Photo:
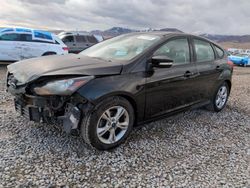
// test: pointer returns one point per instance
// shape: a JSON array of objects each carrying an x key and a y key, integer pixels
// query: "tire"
[
  {"x": 214, "y": 105},
  {"x": 98, "y": 126},
  {"x": 49, "y": 53}
]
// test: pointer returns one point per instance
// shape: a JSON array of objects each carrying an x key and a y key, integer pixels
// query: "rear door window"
[
  {"x": 204, "y": 51},
  {"x": 26, "y": 37},
  {"x": 219, "y": 51},
  {"x": 80, "y": 39}
]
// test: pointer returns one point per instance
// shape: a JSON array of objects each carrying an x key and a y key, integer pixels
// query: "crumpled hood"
[{"x": 29, "y": 70}]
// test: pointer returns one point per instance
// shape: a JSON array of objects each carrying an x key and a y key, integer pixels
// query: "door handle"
[{"x": 74, "y": 44}]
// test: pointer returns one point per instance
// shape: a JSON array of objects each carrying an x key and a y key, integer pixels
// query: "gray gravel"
[{"x": 194, "y": 149}]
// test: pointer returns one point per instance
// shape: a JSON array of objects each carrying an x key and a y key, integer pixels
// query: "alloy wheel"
[
  {"x": 113, "y": 125},
  {"x": 221, "y": 97}
]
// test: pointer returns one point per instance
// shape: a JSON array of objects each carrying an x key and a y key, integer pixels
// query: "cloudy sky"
[{"x": 193, "y": 16}]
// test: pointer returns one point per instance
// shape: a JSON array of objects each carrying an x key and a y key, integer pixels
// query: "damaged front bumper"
[{"x": 53, "y": 110}]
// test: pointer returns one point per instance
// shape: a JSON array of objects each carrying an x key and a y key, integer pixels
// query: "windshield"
[{"x": 122, "y": 48}]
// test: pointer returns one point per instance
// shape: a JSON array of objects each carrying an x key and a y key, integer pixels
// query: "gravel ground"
[{"x": 197, "y": 148}]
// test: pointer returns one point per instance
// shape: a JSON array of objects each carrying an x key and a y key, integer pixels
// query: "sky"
[{"x": 191, "y": 16}]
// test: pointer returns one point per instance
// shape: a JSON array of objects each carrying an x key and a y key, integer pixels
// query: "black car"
[{"x": 107, "y": 89}]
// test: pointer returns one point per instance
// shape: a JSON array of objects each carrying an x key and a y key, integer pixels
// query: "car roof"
[
  {"x": 166, "y": 34},
  {"x": 67, "y": 33},
  {"x": 36, "y": 33},
  {"x": 20, "y": 29}
]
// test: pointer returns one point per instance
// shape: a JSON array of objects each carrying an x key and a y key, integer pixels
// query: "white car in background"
[{"x": 23, "y": 43}]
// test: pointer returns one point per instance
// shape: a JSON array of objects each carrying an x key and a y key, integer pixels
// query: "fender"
[
  {"x": 226, "y": 75},
  {"x": 129, "y": 86}
]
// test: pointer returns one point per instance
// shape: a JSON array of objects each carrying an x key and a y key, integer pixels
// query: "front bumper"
[
  {"x": 34, "y": 108},
  {"x": 53, "y": 110}
]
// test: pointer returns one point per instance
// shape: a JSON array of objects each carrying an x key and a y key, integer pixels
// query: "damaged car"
[{"x": 109, "y": 88}]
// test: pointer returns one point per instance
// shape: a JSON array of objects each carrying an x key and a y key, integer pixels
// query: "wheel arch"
[
  {"x": 226, "y": 76},
  {"x": 49, "y": 53},
  {"x": 125, "y": 95},
  {"x": 229, "y": 83}
]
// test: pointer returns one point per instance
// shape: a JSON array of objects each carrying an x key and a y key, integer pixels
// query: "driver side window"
[
  {"x": 177, "y": 50},
  {"x": 10, "y": 37}
]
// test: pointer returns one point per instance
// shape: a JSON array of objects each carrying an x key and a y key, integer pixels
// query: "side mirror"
[{"x": 162, "y": 61}]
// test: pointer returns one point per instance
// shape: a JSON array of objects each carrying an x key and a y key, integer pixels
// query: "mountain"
[
  {"x": 228, "y": 38},
  {"x": 115, "y": 31}
]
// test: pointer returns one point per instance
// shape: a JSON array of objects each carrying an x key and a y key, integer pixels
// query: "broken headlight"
[{"x": 62, "y": 87}]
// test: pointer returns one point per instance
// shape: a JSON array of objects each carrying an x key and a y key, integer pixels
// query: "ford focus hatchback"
[
  {"x": 109, "y": 88},
  {"x": 23, "y": 43}
]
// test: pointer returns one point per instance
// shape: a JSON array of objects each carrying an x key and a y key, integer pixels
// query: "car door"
[
  {"x": 32, "y": 48},
  {"x": 10, "y": 49},
  {"x": 207, "y": 65},
  {"x": 170, "y": 89}
]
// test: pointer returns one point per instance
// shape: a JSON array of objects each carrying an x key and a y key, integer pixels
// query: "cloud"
[{"x": 193, "y": 16}]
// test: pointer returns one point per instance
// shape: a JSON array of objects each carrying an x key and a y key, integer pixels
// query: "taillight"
[{"x": 65, "y": 48}]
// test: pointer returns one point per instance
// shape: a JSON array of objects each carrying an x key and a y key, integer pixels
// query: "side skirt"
[{"x": 169, "y": 114}]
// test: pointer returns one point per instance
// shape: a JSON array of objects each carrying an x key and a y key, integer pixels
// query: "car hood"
[{"x": 28, "y": 70}]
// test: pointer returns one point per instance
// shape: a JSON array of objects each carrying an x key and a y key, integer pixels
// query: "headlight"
[{"x": 62, "y": 87}]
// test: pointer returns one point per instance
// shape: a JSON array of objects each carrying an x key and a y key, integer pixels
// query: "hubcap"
[
  {"x": 221, "y": 97},
  {"x": 112, "y": 125}
]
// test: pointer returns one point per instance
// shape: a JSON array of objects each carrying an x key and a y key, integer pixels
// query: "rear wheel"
[
  {"x": 109, "y": 125},
  {"x": 220, "y": 98}
]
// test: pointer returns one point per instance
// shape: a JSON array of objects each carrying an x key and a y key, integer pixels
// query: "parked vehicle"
[
  {"x": 240, "y": 59},
  {"x": 128, "y": 80},
  {"x": 23, "y": 43},
  {"x": 77, "y": 41}
]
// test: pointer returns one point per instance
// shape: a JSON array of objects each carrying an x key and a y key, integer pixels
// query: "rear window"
[
  {"x": 91, "y": 39},
  {"x": 80, "y": 38},
  {"x": 204, "y": 51},
  {"x": 219, "y": 51},
  {"x": 42, "y": 35}
]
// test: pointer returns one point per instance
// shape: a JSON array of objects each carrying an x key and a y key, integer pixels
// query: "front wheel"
[
  {"x": 109, "y": 124},
  {"x": 220, "y": 98}
]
